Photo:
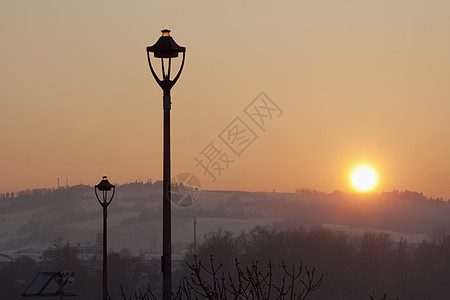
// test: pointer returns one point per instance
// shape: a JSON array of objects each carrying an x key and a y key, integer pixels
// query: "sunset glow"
[
  {"x": 181, "y": 139},
  {"x": 364, "y": 179}
]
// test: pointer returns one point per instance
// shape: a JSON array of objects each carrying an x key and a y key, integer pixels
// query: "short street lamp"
[
  {"x": 166, "y": 48},
  {"x": 104, "y": 187}
]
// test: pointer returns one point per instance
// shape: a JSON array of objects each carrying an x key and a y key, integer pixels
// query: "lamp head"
[
  {"x": 104, "y": 185},
  {"x": 166, "y": 47}
]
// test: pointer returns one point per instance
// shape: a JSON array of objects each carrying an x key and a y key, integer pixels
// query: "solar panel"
[{"x": 48, "y": 284}]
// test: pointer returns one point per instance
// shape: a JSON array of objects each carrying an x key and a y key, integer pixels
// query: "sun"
[{"x": 364, "y": 179}]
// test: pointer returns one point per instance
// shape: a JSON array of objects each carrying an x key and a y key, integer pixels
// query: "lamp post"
[
  {"x": 104, "y": 187},
  {"x": 166, "y": 48}
]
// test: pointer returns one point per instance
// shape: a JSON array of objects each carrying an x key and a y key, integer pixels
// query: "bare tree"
[{"x": 252, "y": 282}]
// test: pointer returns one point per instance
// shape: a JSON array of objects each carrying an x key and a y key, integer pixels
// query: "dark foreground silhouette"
[{"x": 354, "y": 267}]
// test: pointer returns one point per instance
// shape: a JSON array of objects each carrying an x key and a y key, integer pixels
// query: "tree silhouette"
[{"x": 211, "y": 282}]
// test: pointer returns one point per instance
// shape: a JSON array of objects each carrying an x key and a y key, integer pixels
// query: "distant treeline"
[
  {"x": 354, "y": 267},
  {"x": 38, "y": 197},
  {"x": 150, "y": 185},
  {"x": 67, "y": 190}
]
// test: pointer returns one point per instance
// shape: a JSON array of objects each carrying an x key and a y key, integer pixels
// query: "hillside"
[{"x": 30, "y": 220}]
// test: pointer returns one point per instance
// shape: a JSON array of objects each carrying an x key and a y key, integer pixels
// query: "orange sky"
[{"x": 357, "y": 81}]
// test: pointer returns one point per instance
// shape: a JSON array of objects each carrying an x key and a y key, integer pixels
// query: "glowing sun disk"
[{"x": 364, "y": 178}]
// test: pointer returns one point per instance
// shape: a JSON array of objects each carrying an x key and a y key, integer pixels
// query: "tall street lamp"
[
  {"x": 103, "y": 188},
  {"x": 166, "y": 49}
]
